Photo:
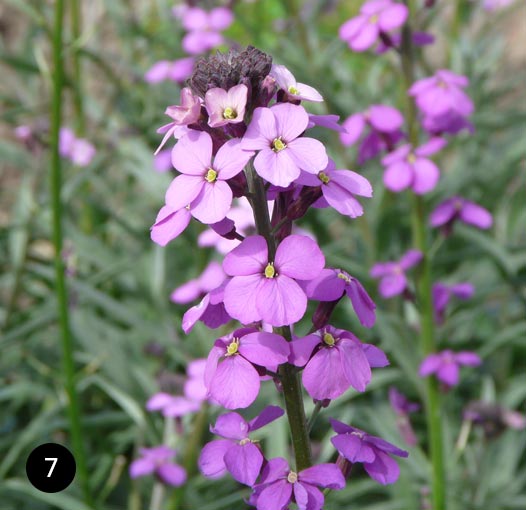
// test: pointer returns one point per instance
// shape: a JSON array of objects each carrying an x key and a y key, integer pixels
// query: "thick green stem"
[
  {"x": 68, "y": 367},
  {"x": 424, "y": 283},
  {"x": 289, "y": 376}
]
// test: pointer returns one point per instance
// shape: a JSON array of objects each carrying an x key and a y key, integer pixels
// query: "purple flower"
[
  {"x": 162, "y": 161},
  {"x": 172, "y": 406},
  {"x": 226, "y": 107},
  {"x": 374, "y": 453},
  {"x": 408, "y": 168},
  {"x": 294, "y": 90},
  {"x": 334, "y": 360},
  {"x": 204, "y": 28},
  {"x": 446, "y": 365},
  {"x": 376, "y": 16},
  {"x": 395, "y": 41},
  {"x": 169, "y": 224},
  {"x": 442, "y": 94},
  {"x": 442, "y": 294},
  {"x": 178, "y": 70},
  {"x": 392, "y": 274},
  {"x": 202, "y": 184},
  {"x": 493, "y": 5},
  {"x": 339, "y": 188},
  {"x": 230, "y": 375},
  {"x": 458, "y": 208},
  {"x": 383, "y": 122},
  {"x": 236, "y": 452},
  {"x": 280, "y": 486},
  {"x": 326, "y": 121},
  {"x": 212, "y": 276},
  {"x": 264, "y": 289},
  {"x": 158, "y": 460},
  {"x": 78, "y": 150},
  {"x": 275, "y": 133},
  {"x": 402, "y": 407}
]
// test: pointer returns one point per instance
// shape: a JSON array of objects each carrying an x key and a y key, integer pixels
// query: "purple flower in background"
[
  {"x": 442, "y": 294},
  {"x": 334, "y": 360},
  {"x": 384, "y": 125},
  {"x": 458, "y": 208},
  {"x": 395, "y": 41},
  {"x": 236, "y": 452},
  {"x": 78, "y": 150},
  {"x": 194, "y": 386},
  {"x": 376, "y": 17},
  {"x": 332, "y": 284},
  {"x": 493, "y": 5},
  {"x": 446, "y": 365},
  {"x": 294, "y": 90},
  {"x": 230, "y": 375},
  {"x": 275, "y": 133},
  {"x": 402, "y": 407},
  {"x": 162, "y": 161},
  {"x": 442, "y": 94},
  {"x": 280, "y": 486},
  {"x": 326, "y": 121},
  {"x": 169, "y": 224},
  {"x": 374, "y": 453},
  {"x": 408, "y": 168},
  {"x": 178, "y": 70},
  {"x": 158, "y": 461},
  {"x": 204, "y": 28},
  {"x": 392, "y": 274},
  {"x": 211, "y": 278},
  {"x": 450, "y": 123},
  {"x": 263, "y": 289},
  {"x": 339, "y": 188},
  {"x": 202, "y": 184},
  {"x": 226, "y": 107}
]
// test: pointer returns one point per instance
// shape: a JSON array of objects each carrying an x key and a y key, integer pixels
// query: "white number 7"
[{"x": 54, "y": 459}]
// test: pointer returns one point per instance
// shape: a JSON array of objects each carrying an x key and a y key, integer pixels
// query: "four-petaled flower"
[
  {"x": 280, "y": 486},
  {"x": 236, "y": 452},
  {"x": 158, "y": 460},
  {"x": 231, "y": 378},
  {"x": 211, "y": 278},
  {"x": 334, "y": 360},
  {"x": 226, "y": 107},
  {"x": 442, "y": 294},
  {"x": 458, "y": 208},
  {"x": 265, "y": 289},
  {"x": 374, "y": 453},
  {"x": 446, "y": 365},
  {"x": 275, "y": 133}
]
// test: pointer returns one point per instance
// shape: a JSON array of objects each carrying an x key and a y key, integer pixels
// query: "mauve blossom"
[
  {"x": 78, "y": 150},
  {"x": 177, "y": 70},
  {"x": 162, "y": 161},
  {"x": 449, "y": 123},
  {"x": 264, "y": 289},
  {"x": 446, "y": 365},
  {"x": 280, "y": 486},
  {"x": 334, "y": 360},
  {"x": 442, "y": 94},
  {"x": 392, "y": 274},
  {"x": 339, "y": 188},
  {"x": 402, "y": 407},
  {"x": 202, "y": 184},
  {"x": 332, "y": 284},
  {"x": 158, "y": 461},
  {"x": 293, "y": 90},
  {"x": 374, "y": 453},
  {"x": 226, "y": 107},
  {"x": 236, "y": 453},
  {"x": 231, "y": 378},
  {"x": 326, "y": 121},
  {"x": 204, "y": 28},
  {"x": 275, "y": 133},
  {"x": 442, "y": 294},
  {"x": 384, "y": 125},
  {"x": 395, "y": 41},
  {"x": 169, "y": 224},
  {"x": 493, "y": 5},
  {"x": 24, "y": 133},
  {"x": 376, "y": 16},
  {"x": 211, "y": 277},
  {"x": 408, "y": 168},
  {"x": 458, "y": 208}
]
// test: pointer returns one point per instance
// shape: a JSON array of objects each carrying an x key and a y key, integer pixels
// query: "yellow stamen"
[
  {"x": 278, "y": 145},
  {"x": 411, "y": 158},
  {"x": 232, "y": 348},
  {"x": 244, "y": 441},
  {"x": 293, "y": 90},
  {"x": 270, "y": 271},
  {"x": 229, "y": 113},
  {"x": 211, "y": 175},
  {"x": 292, "y": 477},
  {"x": 344, "y": 277},
  {"x": 323, "y": 177},
  {"x": 329, "y": 339},
  {"x": 373, "y": 18}
]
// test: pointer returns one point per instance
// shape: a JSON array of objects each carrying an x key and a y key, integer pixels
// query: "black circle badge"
[{"x": 50, "y": 467}]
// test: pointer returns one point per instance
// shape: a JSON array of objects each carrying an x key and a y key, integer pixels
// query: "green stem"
[
  {"x": 68, "y": 367},
  {"x": 289, "y": 376},
  {"x": 424, "y": 283}
]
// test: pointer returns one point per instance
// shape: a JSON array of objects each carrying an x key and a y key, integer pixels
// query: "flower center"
[
  {"x": 293, "y": 90},
  {"x": 292, "y": 477},
  {"x": 233, "y": 347},
  {"x": 244, "y": 441},
  {"x": 329, "y": 339},
  {"x": 411, "y": 158},
  {"x": 278, "y": 144},
  {"x": 373, "y": 19},
  {"x": 359, "y": 434},
  {"x": 211, "y": 175},
  {"x": 458, "y": 205},
  {"x": 344, "y": 277},
  {"x": 270, "y": 271},
  {"x": 323, "y": 177},
  {"x": 229, "y": 113}
]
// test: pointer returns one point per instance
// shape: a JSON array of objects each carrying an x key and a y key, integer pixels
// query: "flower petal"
[
  {"x": 299, "y": 257},
  {"x": 170, "y": 224},
  {"x": 291, "y": 120},
  {"x": 241, "y": 295},
  {"x": 476, "y": 215},
  {"x": 353, "y": 448},
  {"x": 172, "y": 474},
  {"x": 249, "y": 258},
  {"x": 309, "y": 154},
  {"x": 276, "y": 496},
  {"x": 141, "y": 467},
  {"x": 268, "y": 415},
  {"x": 183, "y": 190},
  {"x": 192, "y": 154},
  {"x": 266, "y": 349},
  {"x": 244, "y": 463},
  {"x": 426, "y": 176},
  {"x": 230, "y": 426},
  {"x": 301, "y": 349},
  {"x": 323, "y": 475},
  {"x": 398, "y": 176},
  {"x": 324, "y": 377},
  {"x": 280, "y": 301},
  {"x": 213, "y": 202},
  {"x": 261, "y": 131},
  {"x": 211, "y": 463},
  {"x": 383, "y": 469},
  {"x": 231, "y": 159},
  {"x": 355, "y": 364},
  {"x": 278, "y": 168}
]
